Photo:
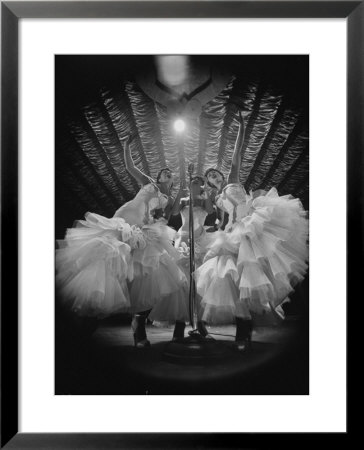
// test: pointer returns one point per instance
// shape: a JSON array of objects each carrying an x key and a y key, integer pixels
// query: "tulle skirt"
[
  {"x": 252, "y": 268},
  {"x": 158, "y": 282},
  {"x": 105, "y": 266},
  {"x": 93, "y": 265},
  {"x": 202, "y": 242}
]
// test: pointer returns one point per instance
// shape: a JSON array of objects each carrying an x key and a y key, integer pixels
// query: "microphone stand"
[{"x": 192, "y": 293}]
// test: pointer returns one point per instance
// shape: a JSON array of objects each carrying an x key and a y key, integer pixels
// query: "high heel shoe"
[
  {"x": 139, "y": 333},
  {"x": 179, "y": 330},
  {"x": 243, "y": 338},
  {"x": 201, "y": 327}
]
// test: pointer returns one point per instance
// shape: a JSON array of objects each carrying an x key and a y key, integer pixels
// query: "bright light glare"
[
  {"x": 172, "y": 70},
  {"x": 179, "y": 125}
]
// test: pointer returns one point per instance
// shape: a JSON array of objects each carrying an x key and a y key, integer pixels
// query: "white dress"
[
  {"x": 126, "y": 263},
  {"x": 253, "y": 265},
  {"x": 201, "y": 238},
  {"x": 182, "y": 245}
]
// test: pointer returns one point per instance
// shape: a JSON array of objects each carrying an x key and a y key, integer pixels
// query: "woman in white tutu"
[
  {"x": 202, "y": 207},
  {"x": 252, "y": 266},
  {"x": 126, "y": 263}
]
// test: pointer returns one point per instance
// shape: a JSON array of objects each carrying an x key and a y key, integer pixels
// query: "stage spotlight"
[{"x": 179, "y": 125}]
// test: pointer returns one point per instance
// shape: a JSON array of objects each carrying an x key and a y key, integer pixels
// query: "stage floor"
[{"x": 106, "y": 363}]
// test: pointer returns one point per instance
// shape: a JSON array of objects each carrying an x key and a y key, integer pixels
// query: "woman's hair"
[
  {"x": 198, "y": 177},
  {"x": 159, "y": 175},
  {"x": 215, "y": 170},
  {"x": 160, "y": 172}
]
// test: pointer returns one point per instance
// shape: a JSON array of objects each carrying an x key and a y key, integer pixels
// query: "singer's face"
[
  {"x": 215, "y": 178},
  {"x": 166, "y": 176}
]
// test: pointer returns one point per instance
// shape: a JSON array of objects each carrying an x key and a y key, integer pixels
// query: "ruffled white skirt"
[
  {"x": 93, "y": 266},
  {"x": 158, "y": 281},
  {"x": 252, "y": 268},
  {"x": 105, "y": 266},
  {"x": 202, "y": 241}
]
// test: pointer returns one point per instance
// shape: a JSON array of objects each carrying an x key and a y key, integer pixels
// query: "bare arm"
[
  {"x": 236, "y": 160},
  {"x": 168, "y": 209},
  {"x": 208, "y": 202},
  {"x": 130, "y": 166},
  {"x": 176, "y": 209}
]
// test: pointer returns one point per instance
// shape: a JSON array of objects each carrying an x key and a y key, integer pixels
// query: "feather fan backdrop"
[{"x": 100, "y": 101}]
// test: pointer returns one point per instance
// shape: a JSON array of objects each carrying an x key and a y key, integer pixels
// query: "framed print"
[{"x": 172, "y": 174}]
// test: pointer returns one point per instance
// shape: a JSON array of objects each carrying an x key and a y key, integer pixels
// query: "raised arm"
[
  {"x": 177, "y": 206},
  {"x": 130, "y": 166},
  {"x": 236, "y": 159}
]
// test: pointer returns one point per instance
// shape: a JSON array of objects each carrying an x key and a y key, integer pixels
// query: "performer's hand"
[
  {"x": 241, "y": 120},
  {"x": 127, "y": 140}
]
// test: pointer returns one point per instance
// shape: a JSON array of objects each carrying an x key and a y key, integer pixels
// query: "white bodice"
[
  {"x": 199, "y": 216},
  {"x": 182, "y": 238},
  {"x": 139, "y": 210},
  {"x": 235, "y": 201}
]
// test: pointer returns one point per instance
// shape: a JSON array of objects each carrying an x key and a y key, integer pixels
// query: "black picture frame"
[{"x": 11, "y": 12}]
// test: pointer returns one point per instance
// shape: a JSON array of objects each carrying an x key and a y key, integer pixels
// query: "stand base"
[{"x": 196, "y": 349}]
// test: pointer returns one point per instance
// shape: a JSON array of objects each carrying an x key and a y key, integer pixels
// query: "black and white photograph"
[{"x": 181, "y": 224}]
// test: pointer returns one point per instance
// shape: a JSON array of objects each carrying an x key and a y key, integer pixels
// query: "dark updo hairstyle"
[
  {"x": 198, "y": 177},
  {"x": 215, "y": 170},
  {"x": 160, "y": 172}
]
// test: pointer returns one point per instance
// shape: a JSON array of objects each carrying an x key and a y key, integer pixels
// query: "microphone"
[{"x": 191, "y": 168}]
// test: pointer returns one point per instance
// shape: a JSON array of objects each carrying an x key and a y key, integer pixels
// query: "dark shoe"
[
  {"x": 179, "y": 330},
  {"x": 243, "y": 338},
  {"x": 201, "y": 327},
  {"x": 139, "y": 333}
]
